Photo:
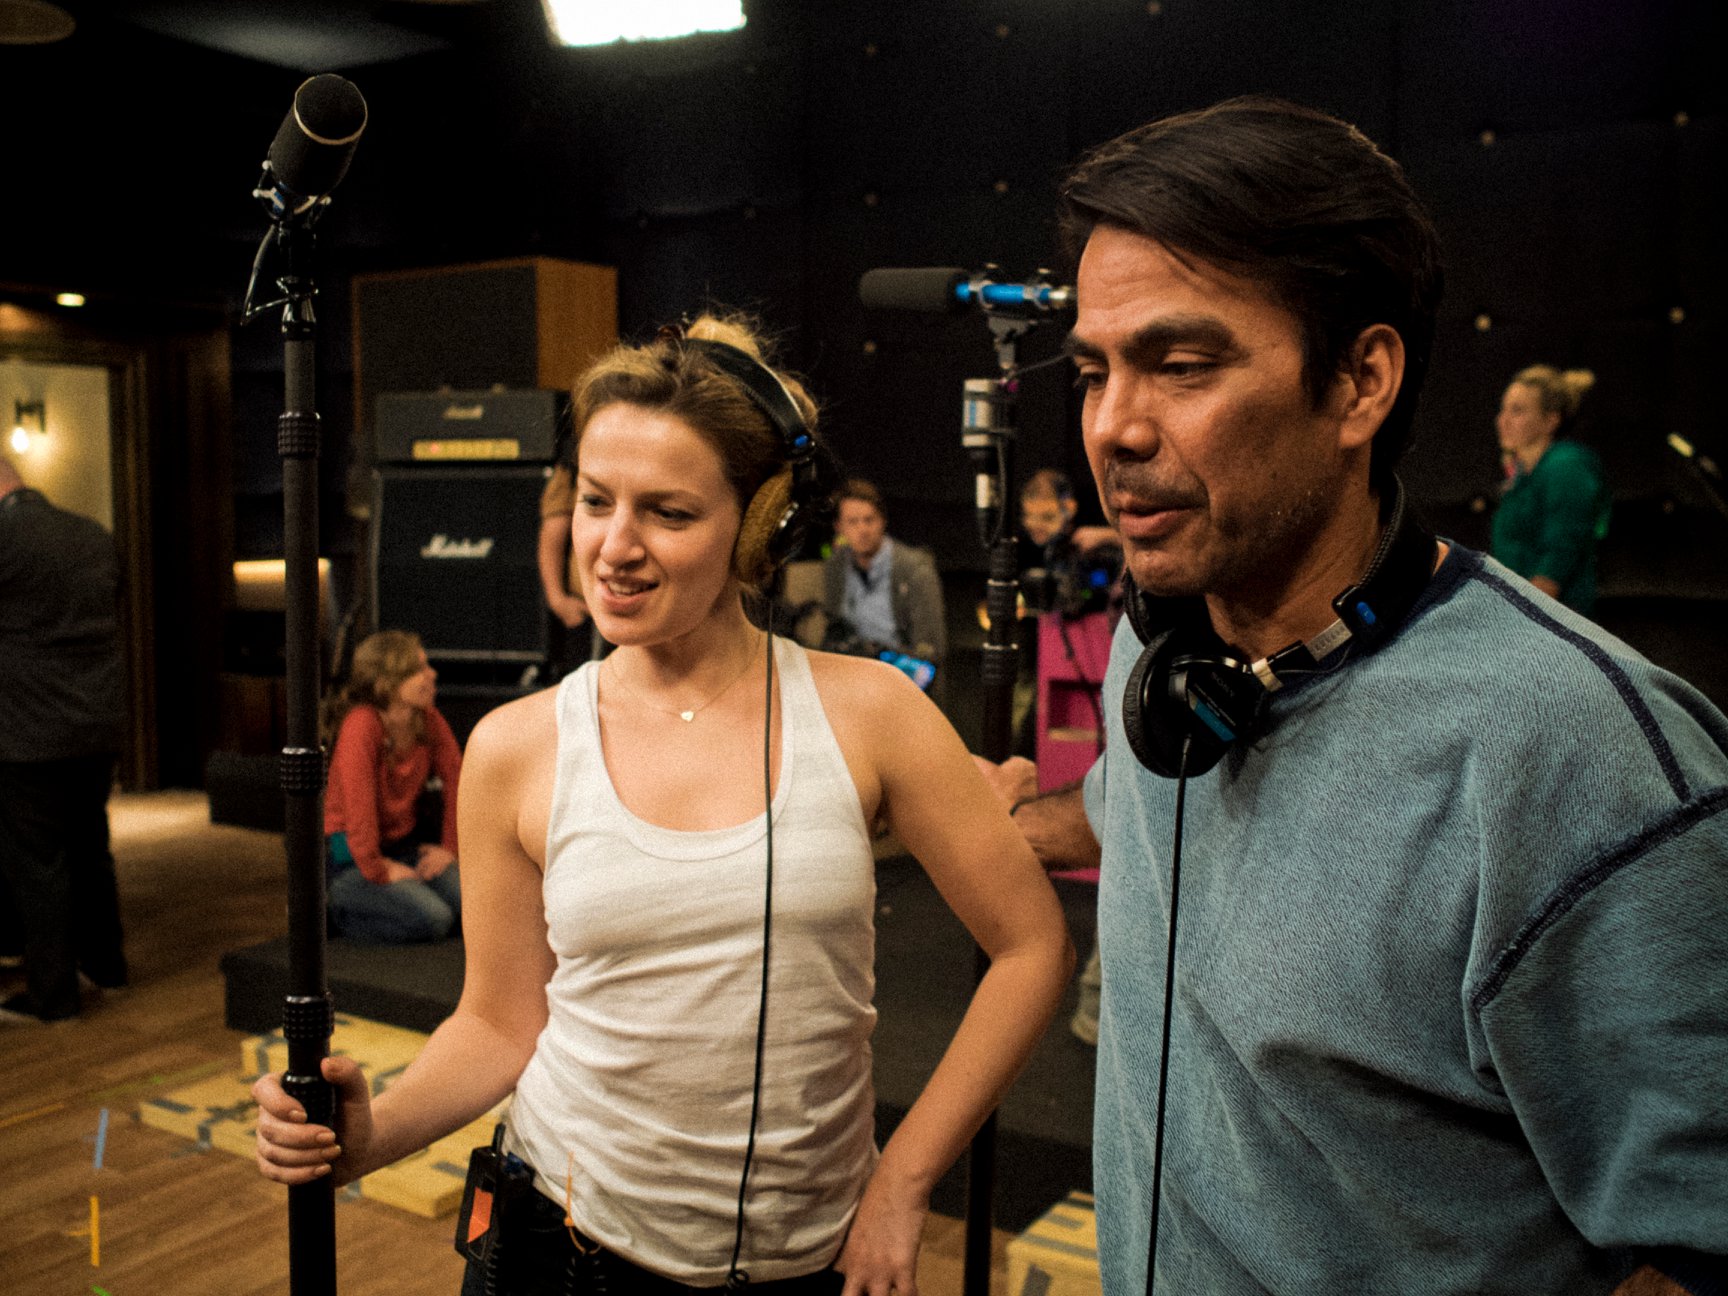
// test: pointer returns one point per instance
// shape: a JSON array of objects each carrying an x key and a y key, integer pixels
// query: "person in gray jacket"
[{"x": 877, "y": 589}]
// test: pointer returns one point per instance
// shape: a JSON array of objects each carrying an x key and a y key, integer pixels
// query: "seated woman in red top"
[{"x": 390, "y": 806}]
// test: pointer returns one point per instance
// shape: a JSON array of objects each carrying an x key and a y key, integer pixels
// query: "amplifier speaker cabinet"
[
  {"x": 454, "y": 559},
  {"x": 526, "y": 323},
  {"x": 466, "y": 427}
]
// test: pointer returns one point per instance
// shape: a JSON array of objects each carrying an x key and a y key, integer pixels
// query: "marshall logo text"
[{"x": 442, "y": 546}]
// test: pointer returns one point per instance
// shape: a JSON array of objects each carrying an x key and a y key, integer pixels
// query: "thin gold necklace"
[{"x": 686, "y": 714}]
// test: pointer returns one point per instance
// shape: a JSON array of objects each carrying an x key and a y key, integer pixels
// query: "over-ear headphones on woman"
[
  {"x": 1189, "y": 688},
  {"x": 781, "y": 512}
]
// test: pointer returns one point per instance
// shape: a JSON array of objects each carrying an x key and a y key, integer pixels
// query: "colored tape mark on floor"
[
  {"x": 95, "y": 1234},
  {"x": 101, "y": 1137},
  {"x": 21, "y": 1117}
]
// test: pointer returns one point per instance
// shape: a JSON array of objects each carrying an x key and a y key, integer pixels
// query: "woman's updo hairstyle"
[
  {"x": 1560, "y": 391},
  {"x": 669, "y": 377},
  {"x": 382, "y": 664}
]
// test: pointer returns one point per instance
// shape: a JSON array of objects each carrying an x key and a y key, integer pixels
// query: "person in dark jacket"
[{"x": 61, "y": 704}]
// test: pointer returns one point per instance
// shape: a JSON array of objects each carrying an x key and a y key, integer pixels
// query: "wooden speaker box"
[{"x": 532, "y": 322}]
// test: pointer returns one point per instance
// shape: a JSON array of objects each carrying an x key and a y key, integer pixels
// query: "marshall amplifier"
[
  {"x": 454, "y": 559},
  {"x": 468, "y": 426}
]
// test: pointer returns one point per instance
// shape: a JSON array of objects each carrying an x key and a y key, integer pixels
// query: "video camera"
[{"x": 1070, "y": 582}]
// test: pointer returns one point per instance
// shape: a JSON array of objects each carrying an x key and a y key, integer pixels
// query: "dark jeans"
[
  {"x": 54, "y": 853},
  {"x": 392, "y": 913},
  {"x": 536, "y": 1257},
  {"x": 395, "y": 913}
]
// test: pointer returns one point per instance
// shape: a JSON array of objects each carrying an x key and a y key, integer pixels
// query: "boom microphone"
[
  {"x": 311, "y": 151},
  {"x": 922, "y": 288},
  {"x": 950, "y": 288}
]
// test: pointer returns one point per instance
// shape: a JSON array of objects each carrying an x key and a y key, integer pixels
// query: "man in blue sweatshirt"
[{"x": 1447, "y": 866}]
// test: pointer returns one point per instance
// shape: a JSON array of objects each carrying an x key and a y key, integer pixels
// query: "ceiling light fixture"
[{"x": 605, "y": 22}]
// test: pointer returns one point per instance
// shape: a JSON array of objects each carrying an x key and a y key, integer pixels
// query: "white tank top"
[{"x": 639, "y": 1087}]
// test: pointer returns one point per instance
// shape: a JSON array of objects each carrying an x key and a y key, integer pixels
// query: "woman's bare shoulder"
[
  {"x": 861, "y": 682},
  {"x": 873, "y": 706}
]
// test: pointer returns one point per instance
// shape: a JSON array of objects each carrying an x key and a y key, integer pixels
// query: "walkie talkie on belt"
[{"x": 497, "y": 1180}]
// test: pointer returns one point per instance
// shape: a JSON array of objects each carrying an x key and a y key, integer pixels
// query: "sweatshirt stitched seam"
[
  {"x": 1569, "y": 893},
  {"x": 1611, "y": 671}
]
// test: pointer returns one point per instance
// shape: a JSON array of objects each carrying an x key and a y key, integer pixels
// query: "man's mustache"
[{"x": 1138, "y": 486}]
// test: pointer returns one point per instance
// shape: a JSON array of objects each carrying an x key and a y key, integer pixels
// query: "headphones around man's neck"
[
  {"x": 781, "y": 512},
  {"x": 1191, "y": 688}
]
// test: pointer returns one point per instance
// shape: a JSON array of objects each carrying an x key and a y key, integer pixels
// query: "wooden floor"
[{"x": 172, "y": 1221}]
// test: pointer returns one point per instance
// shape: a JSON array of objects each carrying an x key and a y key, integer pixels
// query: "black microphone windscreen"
[
  {"x": 919, "y": 288},
  {"x": 311, "y": 151}
]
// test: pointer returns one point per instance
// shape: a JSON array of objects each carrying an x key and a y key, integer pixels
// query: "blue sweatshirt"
[{"x": 1451, "y": 1004}]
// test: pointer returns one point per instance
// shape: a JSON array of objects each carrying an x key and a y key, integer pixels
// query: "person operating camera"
[{"x": 1064, "y": 568}]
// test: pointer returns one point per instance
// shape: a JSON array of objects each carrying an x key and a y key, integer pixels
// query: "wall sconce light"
[{"x": 28, "y": 417}]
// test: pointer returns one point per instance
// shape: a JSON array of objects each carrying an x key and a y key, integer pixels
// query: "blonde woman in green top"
[{"x": 1555, "y": 506}]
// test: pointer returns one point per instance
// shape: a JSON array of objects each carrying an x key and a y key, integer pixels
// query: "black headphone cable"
[
  {"x": 736, "y": 1278},
  {"x": 1169, "y": 1004}
]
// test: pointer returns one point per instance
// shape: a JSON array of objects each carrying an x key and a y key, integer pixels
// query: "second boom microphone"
[
  {"x": 950, "y": 288},
  {"x": 311, "y": 151}
]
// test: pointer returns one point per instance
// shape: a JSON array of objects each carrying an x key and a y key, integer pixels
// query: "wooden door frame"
[
  {"x": 143, "y": 349},
  {"x": 127, "y": 451}
]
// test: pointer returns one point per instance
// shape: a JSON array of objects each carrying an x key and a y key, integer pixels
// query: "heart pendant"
[{"x": 686, "y": 716}]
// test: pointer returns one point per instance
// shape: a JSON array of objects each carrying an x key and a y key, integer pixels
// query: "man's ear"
[{"x": 1369, "y": 381}]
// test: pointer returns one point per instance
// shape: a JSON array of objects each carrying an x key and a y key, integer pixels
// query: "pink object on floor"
[{"x": 1072, "y": 655}]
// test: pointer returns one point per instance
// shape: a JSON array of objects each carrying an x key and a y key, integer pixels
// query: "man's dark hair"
[{"x": 1295, "y": 199}]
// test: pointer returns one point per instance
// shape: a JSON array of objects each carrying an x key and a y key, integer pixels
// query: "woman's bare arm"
[{"x": 474, "y": 1059}]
